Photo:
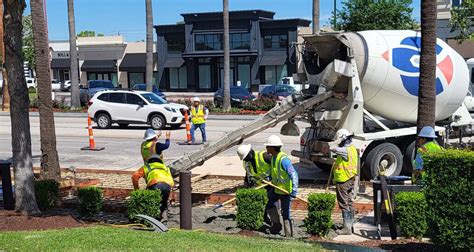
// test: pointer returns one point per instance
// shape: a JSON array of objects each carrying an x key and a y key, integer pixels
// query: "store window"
[
  {"x": 208, "y": 42},
  {"x": 136, "y": 78},
  {"x": 67, "y": 75},
  {"x": 240, "y": 41},
  {"x": 175, "y": 45},
  {"x": 204, "y": 77},
  {"x": 275, "y": 42},
  {"x": 275, "y": 74},
  {"x": 178, "y": 77}
]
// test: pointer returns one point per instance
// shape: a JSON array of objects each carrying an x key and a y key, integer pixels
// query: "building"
[{"x": 262, "y": 50}]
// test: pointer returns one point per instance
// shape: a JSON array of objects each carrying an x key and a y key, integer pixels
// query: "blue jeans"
[
  {"x": 285, "y": 202},
  {"x": 201, "y": 127}
]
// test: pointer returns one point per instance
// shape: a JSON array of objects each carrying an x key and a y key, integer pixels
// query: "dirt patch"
[
  {"x": 12, "y": 221},
  {"x": 402, "y": 245}
]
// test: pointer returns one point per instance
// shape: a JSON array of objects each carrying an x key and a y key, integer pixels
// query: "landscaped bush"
[
  {"x": 47, "y": 193},
  {"x": 147, "y": 202},
  {"x": 251, "y": 205},
  {"x": 449, "y": 193},
  {"x": 412, "y": 213},
  {"x": 90, "y": 200},
  {"x": 262, "y": 104},
  {"x": 320, "y": 207}
]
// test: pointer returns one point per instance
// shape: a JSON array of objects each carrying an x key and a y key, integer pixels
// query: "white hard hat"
[
  {"x": 150, "y": 134},
  {"x": 244, "y": 150},
  {"x": 196, "y": 99},
  {"x": 273, "y": 140},
  {"x": 427, "y": 132},
  {"x": 342, "y": 134}
]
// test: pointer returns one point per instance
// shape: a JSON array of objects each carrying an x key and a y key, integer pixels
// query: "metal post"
[
  {"x": 185, "y": 207},
  {"x": 8, "y": 201}
]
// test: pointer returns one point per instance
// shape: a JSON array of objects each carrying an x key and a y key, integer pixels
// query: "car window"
[
  {"x": 285, "y": 89},
  {"x": 242, "y": 91},
  {"x": 267, "y": 89},
  {"x": 116, "y": 97},
  {"x": 103, "y": 97},
  {"x": 134, "y": 99},
  {"x": 98, "y": 84},
  {"x": 153, "y": 98},
  {"x": 139, "y": 87}
]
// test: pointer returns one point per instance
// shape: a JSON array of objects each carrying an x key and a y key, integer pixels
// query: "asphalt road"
[{"x": 122, "y": 146}]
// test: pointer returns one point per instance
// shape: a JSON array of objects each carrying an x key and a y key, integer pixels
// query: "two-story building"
[{"x": 190, "y": 53}]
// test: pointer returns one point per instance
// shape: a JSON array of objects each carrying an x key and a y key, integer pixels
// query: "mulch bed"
[
  {"x": 12, "y": 221},
  {"x": 402, "y": 245}
]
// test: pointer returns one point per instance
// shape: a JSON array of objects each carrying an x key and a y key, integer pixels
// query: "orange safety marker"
[
  {"x": 91, "y": 146},
  {"x": 188, "y": 126}
]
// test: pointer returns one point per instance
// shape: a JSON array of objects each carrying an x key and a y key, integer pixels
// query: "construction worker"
[
  {"x": 256, "y": 164},
  {"x": 283, "y": 175},
  {"x": 199, "y": 115},
  {"x": 427, "y": 144},
  {"x": 158, "y": 177},
  {"x": 344, "y": 173},
  {"x": 151, "y": 145}
]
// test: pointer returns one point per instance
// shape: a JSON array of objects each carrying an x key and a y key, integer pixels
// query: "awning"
[
  {"x": 99, "y": 66},
  {"x": 273, "y": 60},
  {"x": 133, "y": 62},
  {"x": 174, "y": 62},
  {"x": 61, "y": 63}
]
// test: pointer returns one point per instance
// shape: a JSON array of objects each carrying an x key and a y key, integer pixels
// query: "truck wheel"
[
  {"x": 408, "y": 158},
  {"x": 157, "y": 122},
  {"x": 388, "y": 152},
  {"x": 103, "y": 121}
]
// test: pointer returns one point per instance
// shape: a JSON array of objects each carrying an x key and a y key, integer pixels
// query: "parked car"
[
  {"x": 93, "y": 86},
  {"x": 277, "y": 92},
  {"x": 55, "y": 85},
  {"x": 66, "y": 86},
  {"x": 237, "y": 96},
  {"x": 142, "y": 87},
  {"x": 134, "y": 107},
  {"x": 31, "y": 83}
]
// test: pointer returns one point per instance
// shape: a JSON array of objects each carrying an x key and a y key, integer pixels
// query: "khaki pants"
[{"x": 344, "y": 194}]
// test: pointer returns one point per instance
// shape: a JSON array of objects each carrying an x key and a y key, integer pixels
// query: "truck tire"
[
  {"x": 408, "y": 158},
  {"x": 103, "y": 121},
  {"x": 384, "y": 151}
]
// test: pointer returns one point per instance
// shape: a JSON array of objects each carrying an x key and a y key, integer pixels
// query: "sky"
[{"x": 127, "y": 17}]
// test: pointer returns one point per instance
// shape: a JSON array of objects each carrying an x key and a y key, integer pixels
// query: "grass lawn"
[{"x": 112, "y": 239}]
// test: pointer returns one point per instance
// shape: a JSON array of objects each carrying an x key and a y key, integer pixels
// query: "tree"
[
  {"x": 75, "y": 101},
  {"x": 4, "y": 90},
  {"x": 19, "y": 113},
  {"x": 315, "y": 16},
  {"x": 427, "y": 87},
  {"x": 28, "y": 47},
  {"x": 462, "y": 20},
  {"x": 375, "y": 15},
  {"x": 149, "y": 46},
  {"x": 49, "y": 155},
  {"x": 88, "y": 33},
  {"x": 225, "y": 14}
]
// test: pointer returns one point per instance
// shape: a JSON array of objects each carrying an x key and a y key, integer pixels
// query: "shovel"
[
  {"x": 283, "y": 190},
  {"x": 233, "y": 199}
]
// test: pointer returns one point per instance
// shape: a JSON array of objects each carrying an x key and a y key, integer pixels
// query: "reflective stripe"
[
  {"x": 198, "y": 117},
  {"x": 345, "y": 170},
  {"x": 157, "y": 172}
]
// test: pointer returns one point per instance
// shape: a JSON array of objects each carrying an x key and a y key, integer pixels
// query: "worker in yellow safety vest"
[
  {"x": 283, "y": 175},
  {"x": 199, "y": 115},
  {"x": 157, "y": 177},
  {"x": 344, "y": 172},
  {"x": 256, "y": 164},
  {"x": 427, "y": 144},
  {"x": 151, "y": 146}
]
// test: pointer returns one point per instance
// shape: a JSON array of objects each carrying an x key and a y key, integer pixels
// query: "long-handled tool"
[
  {"x": 388, "y": 203},
  {"x": 283, "y": 190},
  {"x": 329, "y": 178},
  {"x": 233, "y": 199}
]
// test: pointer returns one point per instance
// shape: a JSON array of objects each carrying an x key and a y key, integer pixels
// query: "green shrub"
[
  {"x": 320, "y": 207},
  {"x": 90, "y": 200},
  {"x": 251, "y": 205},
  {"x": 449, "y": 194},
  {"x": 412, "y": 213},
  {"x": 47, "y": 193},
  {"x": 147, "y": 202},
  {"x": 263, "y": 104}
]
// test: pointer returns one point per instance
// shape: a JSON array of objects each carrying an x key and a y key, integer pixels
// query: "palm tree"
[
  {"x": 315, "y": 16},
  {"x": 75, "y": 102},
  {"x": 427, "y": 88},
  {"x": 19, "y": 113},
  {"x": 226, "y": 103},
  {"x": 149, "y": 46},
  {"x": 49, "y": 155}
]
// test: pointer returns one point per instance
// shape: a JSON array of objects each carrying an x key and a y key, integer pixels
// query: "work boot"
[
  {"x": 288, "y": 227},
  {"x": 275, "y": 218},
  {"x": 346, "y": 223},
  {"x": 267, "y": 219},
  {"x": 164, "y": 217}
]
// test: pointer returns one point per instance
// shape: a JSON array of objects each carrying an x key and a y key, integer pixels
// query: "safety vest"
[
  {"x": 430, "y": 146},
  {"x": 345, "y": 170},
  {"x": 158, "y": 173},
  {"x": 279, "y": 176},
  {"x": 263, "y": 168},
  {"x": 198, "y": 117},
  {"x": 148, "y": 149}
]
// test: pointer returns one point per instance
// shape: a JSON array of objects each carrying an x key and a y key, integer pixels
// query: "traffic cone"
[
  {"x": 91, "y": 146},
  {"x": 188, "y": 131}
]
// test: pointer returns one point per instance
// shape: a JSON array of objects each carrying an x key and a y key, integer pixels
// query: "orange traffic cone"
[{"x": 91, "y": 146}]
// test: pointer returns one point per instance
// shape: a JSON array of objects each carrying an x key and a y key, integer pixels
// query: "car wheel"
[
  {"x": 103, "y": 121},
  {"x": 157, "y": 122},
  {"x": 388, "y": 152},
  {"x": 123, "y": 125}
]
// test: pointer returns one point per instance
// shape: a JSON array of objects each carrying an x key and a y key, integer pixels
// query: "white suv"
[{"x": 134, "y": 107}]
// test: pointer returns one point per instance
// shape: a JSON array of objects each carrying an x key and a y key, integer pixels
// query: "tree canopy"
[
  {"x": 28, "y": 48},
  {"x": 462, "y": 20},
  {"x": 89, "y": 33}
]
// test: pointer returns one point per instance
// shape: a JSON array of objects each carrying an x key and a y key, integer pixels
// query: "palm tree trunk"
[
  {"x": 149, "y": 46},
  {"x": 5, "y": 94},
  {"x": 427, "y": 88},
  {"x": 75, "y": 102},
  {"x": 19, "y": 113},
  {"x": 315, "y": 16},
  {"x": 226, "y": 103},
  {"x": 49, "y": 155}
]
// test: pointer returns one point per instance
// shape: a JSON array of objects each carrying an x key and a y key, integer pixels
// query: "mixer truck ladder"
[{"x": 287, "y": 109}]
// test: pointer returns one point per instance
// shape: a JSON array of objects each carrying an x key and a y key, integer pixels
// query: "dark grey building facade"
[{"x": 190, "y": 53}]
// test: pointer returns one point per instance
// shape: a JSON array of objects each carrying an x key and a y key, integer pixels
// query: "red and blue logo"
[{"x": 406, "y": 59}]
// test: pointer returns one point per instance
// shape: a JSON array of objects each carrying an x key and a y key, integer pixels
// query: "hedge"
[
  {"x": 91, "y": 200},
  {"x": 412, "y": 213},
  {"x": 251, "y": 205},
  {"x": 320, "y": 207},
  {"x": 147, "y": 202},
  {"x": 449, "y": 192},
  {"x": 47, "y": 193}
]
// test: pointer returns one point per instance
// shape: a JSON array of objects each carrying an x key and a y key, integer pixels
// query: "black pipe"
[
  {"x": 185, "y": 199},
  {"x": 8, "y": 201}
]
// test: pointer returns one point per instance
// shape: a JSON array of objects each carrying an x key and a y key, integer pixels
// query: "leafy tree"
[
  {"x": 28, "y": 47},
  {"x": 359, "y": 15},
  {"x": 89, "y": 33},
  {"x": 462, "y": 20}
]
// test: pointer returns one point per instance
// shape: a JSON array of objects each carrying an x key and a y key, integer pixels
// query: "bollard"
[
  {"x": 8, "y": 201},
  {"x": 185, "y": 200}
]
